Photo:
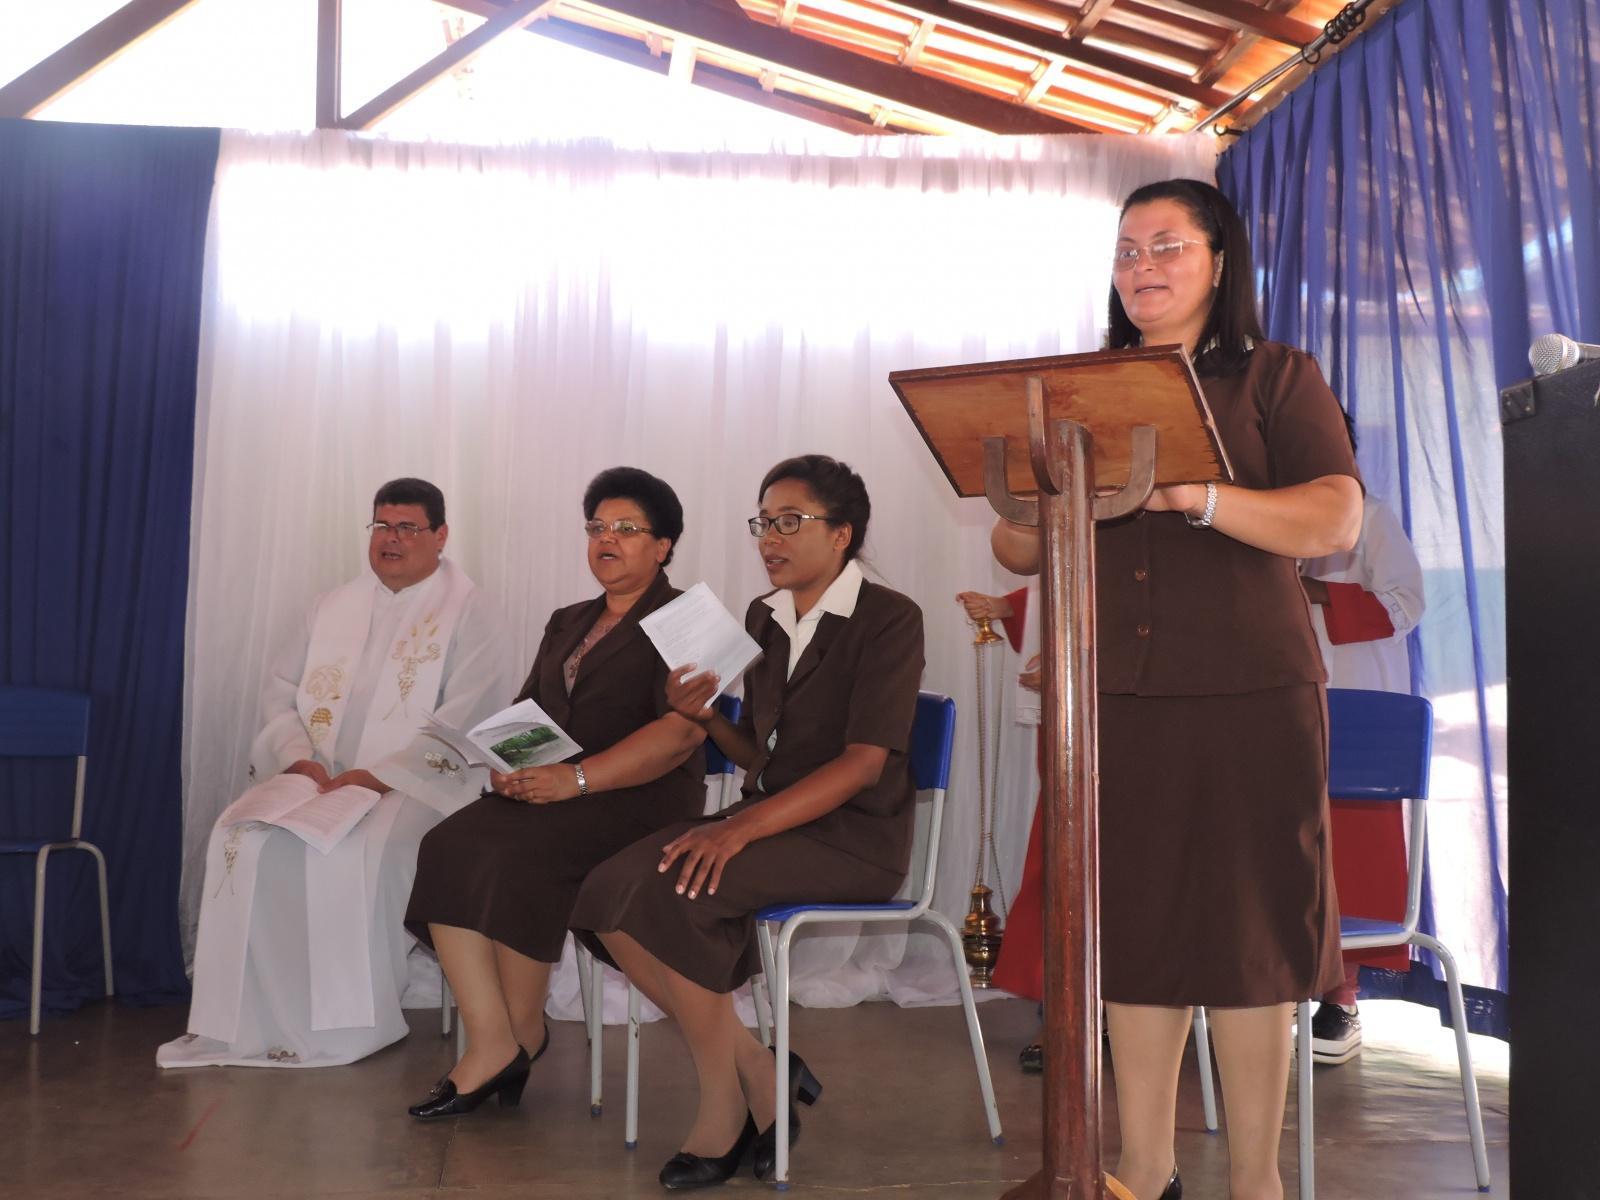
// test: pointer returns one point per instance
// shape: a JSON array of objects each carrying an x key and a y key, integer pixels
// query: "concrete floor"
[{"x": 85, "y": 1112}]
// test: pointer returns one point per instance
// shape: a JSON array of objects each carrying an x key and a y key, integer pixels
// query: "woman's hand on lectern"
[
  {"x": 1186, "y": 498},
  {"x": 1032, "y": 676}
]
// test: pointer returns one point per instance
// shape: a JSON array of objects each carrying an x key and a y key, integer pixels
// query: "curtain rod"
[{"x": 1343, "y": 23}]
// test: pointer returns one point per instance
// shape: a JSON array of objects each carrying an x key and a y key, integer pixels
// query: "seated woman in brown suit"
[
  {"x": 826, "y": 814},
  {"x": 496, "y": 882}
]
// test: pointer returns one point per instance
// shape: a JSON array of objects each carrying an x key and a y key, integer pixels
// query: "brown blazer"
[
  {"x": 621, "y": 687},
  {"x": 856, "y": 683},
  {"x": 1192, "y": 612}
]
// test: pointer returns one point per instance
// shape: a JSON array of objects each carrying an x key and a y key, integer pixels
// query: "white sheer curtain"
[{"x": 509, "y": 321}]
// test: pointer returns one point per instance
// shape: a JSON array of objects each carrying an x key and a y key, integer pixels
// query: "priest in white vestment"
[{"x": 301, "y": 958}]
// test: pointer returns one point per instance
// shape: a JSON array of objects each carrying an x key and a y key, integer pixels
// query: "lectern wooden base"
[{"x": 1039, "y": 1188}]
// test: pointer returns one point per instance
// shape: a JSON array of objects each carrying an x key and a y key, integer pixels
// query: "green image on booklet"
[{"x": 520, "y": 749}]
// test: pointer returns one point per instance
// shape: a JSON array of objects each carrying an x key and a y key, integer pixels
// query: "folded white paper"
[
  {"x": 292, "y": 802},
  {"x": 523, "y": 735},
  {"x": 696, "y": 628}
]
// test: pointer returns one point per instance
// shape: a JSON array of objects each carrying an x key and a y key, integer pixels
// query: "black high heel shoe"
[
  {"x": 506, "y": 1085},
  {"x": 804, "y": 1088},
  {"x": 685, "y": 1171},
  {"x": 1174, "y": 1188}
]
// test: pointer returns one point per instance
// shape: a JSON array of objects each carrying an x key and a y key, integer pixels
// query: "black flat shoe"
[
  {"x": 804, "y": 1088},
  {"x": 1031, "y": 1059},
  {"x": 506, "y": 1085},
  {"x": 1174, "y": 1188},
  {"x": 685, "y": 1171}
]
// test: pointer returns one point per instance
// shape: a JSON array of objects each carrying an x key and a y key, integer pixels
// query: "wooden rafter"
[
  {"x": 724, "y": 24},
  {"x": 1153, "y": 79},
  {"x": 917, "y": 44},
  {"x": 330, "y": 59},
  {"x": 85, "y": 54},
  {"x": 1092, "y": 12},
  {"x": 1247, "y": 18},
  {"x": 513, "y": 16}
]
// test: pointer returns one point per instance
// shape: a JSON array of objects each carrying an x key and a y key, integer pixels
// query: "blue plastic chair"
[
  {"x": 1380, "y": 748},
  {"x": 47, "y": 723},
  {"x": 932, "y": 745}
]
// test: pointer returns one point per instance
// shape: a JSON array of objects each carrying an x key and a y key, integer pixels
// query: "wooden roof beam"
[
  {"x": 1166, "y": 83},
  {"x": 85, "y": 54},
  {"x": 513, "y": 16},
  {"x": 1247, "y": 18},
  {"x": 917, "y": 44},
  {"x": 1090, "y": 17},
  {"x": 723, "y": 24},
  {"x": 330, "y": 63}
]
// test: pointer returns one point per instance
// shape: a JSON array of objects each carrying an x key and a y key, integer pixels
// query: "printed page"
[
  {"x": 323, "y": 821},
  {"x": 269, "y": 800},
  {"x": 696, "y": 628},
  {"x": 523, "y": 735}
]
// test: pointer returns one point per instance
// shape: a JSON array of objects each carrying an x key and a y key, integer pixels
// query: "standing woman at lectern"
[{"x": 1216, "y": 883}]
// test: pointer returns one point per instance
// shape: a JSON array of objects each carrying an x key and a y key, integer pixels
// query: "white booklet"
[
  {"x": 523, "y": 735},
  {"x": 292, "y": 802},
  {"x": 696, "y": 628}
]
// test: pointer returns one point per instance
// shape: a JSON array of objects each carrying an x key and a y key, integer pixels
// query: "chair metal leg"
[
  {"x": 1302, "y": 1056},
  {"x": 1202, "y": 1054},
  {"x": 447, "y": 1002},
  {"x": 585, "y": 963},
  {"x": 41, "y": 861},
  {"x": 630, "y": 1124},
  {"x": 105, "y": 912},
  {"x": 974, "y": 1030},
  {"x": 762, "y": 1003},
  {"x": 595, "y": 1012},
  {"x": 778, "y": 980},
  {"x": 1469, "y": 1078}
]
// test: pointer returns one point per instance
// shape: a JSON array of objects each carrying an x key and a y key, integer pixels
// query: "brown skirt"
[
  {"x": 1216, "y": 876},
  {"x": 511, "y": 871},
  {"x": 711, "y": 940}
]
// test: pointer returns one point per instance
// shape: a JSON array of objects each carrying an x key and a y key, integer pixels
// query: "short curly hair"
[{"x": 660, "y": 503}]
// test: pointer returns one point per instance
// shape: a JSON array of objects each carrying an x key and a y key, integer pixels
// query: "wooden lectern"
[{"x": 1091, "y": 436}]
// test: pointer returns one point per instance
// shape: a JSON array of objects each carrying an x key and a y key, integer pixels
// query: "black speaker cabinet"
[{"x": 1551, "y": 431}]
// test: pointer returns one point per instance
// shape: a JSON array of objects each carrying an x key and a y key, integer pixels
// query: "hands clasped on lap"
[{"x": 318, "y": 774}]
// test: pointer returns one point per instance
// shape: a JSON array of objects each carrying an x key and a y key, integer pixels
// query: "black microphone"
[{"x": 1556, "y": 352}]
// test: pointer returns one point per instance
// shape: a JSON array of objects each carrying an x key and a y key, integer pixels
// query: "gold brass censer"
[{"x": 981, "y": 930}]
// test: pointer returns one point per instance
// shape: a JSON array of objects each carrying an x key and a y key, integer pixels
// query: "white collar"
[{"x": 839, "y": 599}]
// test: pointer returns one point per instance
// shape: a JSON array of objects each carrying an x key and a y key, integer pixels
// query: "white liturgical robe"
[{"x": 301, "y": 957}]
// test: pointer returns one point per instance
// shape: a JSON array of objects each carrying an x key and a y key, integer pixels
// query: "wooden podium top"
[{"x": 1109, "y": 392}]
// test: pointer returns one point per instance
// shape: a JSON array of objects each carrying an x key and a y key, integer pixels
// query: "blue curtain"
[
  {"x": 1420, "y": 210},
  {"x": 102, "y": 233}
]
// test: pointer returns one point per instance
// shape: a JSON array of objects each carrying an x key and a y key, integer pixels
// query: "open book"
[
  {"x": 292, "y": 802},
  {"x": 523, "y": 735},
  {"x": 696, "y": 628}
]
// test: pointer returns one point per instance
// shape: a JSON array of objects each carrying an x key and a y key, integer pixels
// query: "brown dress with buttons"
[
  {"x": 511, "y": 870},
  {"x": 856, "y": 683},
  {"x": 1216, "y": 878}
]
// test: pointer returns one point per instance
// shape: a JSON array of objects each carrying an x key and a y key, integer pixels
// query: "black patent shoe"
[
  {"x": 506, "y": 1085},
  {"x": 685, "y": 1171},
  {"x": 1031, "y": 1059},
  {"x": 804, "y": 1088},
  {"x": 1174, "y": 1188}
]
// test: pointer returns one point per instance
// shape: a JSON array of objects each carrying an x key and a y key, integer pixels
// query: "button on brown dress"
[
  {"x": 855, "y": 683},
  {"x": 511, "y": 870},
  {"x": 1216, "y": 879}
]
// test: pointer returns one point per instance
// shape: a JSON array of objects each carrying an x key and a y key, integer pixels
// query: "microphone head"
[{"x": 1552, "y": 352}]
